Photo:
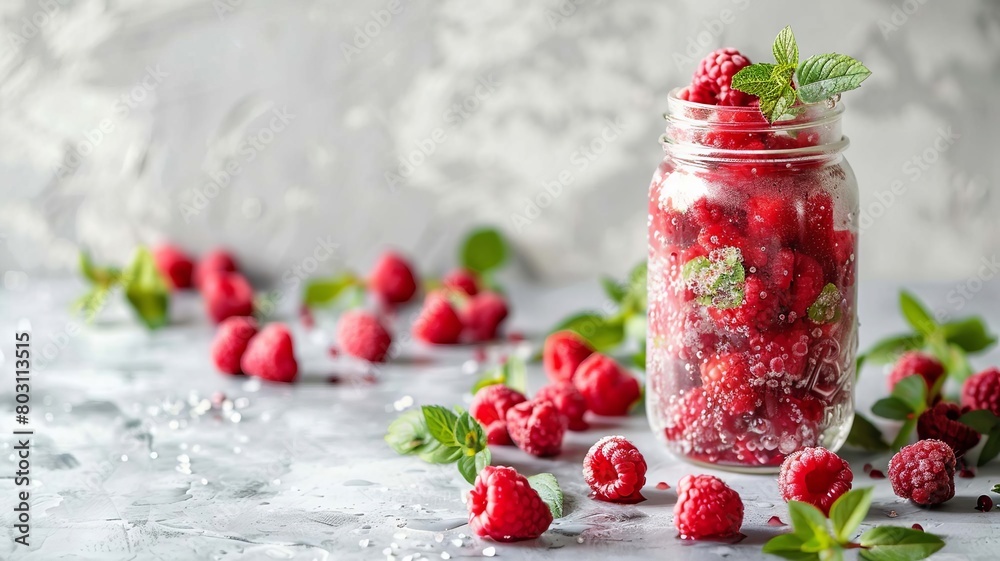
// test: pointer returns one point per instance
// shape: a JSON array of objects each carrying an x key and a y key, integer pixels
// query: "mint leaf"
[
  {"x": 849, "y": 511},
  {"x": 892, "y": 543},
  {"x": 547, "y": 487},
  {"x": 636, "y": 296},
  {"x": 483, "y": 250},
  {"x": 613, "y": 290},
  {"x": 892, "y": 408},
  {"x": 991, "y": 449},
  {"x": 491, "y": 377},
  {"x": 985, "y": 423},
  {"x": 809, "y": 523},
  {"x": 717, "y": 280},
  {"x": 320, "y": 292},
  {"x": 866, "y": 435},
  {"x": 101, "y": 276},
  {"x": 761, "y": 79},
  {"x": 916, "y": 314},
  {"x": 785, "y": 50},
  {"x": 513, "y": 374},
  {"x": 826, "y": 308},
  {"x": 955, "y": 361},
  {"x": 440, "y": 454},
  {"x": 408, "y": 433},
  {"x": 601, "y": 332},
  {"x": 912, "y": 390},
  {"x": 441, "y": 424},
  {"x": 969, "y": 334},
  {"x": 483, "y": 459},
  {"x": 888, "y": 350},
  {"x": 146, "y": 290},
  {"x": 469, "y": 434},
  {"x": 788, "y": 546},
  {"x": 903, "y": 436},
  {"x": 776, "y": 107},
  {"x": 996, "y": 488},
  {"x": 821, "y": 77}
]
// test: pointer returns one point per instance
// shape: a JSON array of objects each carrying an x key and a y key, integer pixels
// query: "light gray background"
[{"x": 215, "y": 71}]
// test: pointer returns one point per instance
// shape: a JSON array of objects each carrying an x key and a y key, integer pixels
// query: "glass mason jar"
[{"x": 752, "y": 327}]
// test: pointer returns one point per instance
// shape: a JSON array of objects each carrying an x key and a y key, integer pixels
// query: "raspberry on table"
[
  {"x": 562, "y": 354},
  {"x": 916, "y": 362},
  {"x": 537, "y": 427},
  {"x": 941, "y": 423},
  {"x": 174, "y": 265},
  {"x": 463, "y": 280},
  {"x": 392, "y": 279},
  {"x": 482, "y": 316},
  {"x": 982, "y": 391},
  {"x": 728, "y": 383},
  {"x": 924, "y": 472},
  {"x": 569, "y": 401},
  {"x": 707, "y": 508},
  {"x": 438, "y": 323},
  {"x": 816, "y": 476},
  {"x": 714, "y": 75},
  {"x": 608, "y": 388},
  {"x": 270, "y": 355},
  {"x": 230, "y": 342},
  {"x": 215, "y": 261},
  {"x": 227, "y": 295},
  {"x": 504, "y": 507},
  {"x": 360, "y": 334},
  {"x": 615, "y": 470},
  {"x": 489, "y": 406}
]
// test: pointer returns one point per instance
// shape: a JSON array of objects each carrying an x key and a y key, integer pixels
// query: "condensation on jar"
[{"x": 752, "y": 328}]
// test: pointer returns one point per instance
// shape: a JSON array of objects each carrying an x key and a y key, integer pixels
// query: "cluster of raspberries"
[{"x": 581, "y": 380}]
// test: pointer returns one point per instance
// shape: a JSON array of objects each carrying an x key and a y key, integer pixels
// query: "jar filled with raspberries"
[{"x": 752, "y": 328}]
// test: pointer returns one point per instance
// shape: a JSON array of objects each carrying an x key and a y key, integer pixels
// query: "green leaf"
[
  {"x": 717, "y": 280},
  {"x": 903, "y": 436},
  {"x": 320, "y": 292},
  {"x": 916, "y": 314},
  {"x": 821, "y": 77},
  {"x": 775, "y": 108},
  {"x": 547, "y": 487},
  {"x": 892, "y": 543},
  {"x": 483, "y": 250},
  {"x": 912, "y": 390},
  {"x": 788, "y": 546},
  {"x": 491, "y": 377},
  {"x": 892, "y": 408},
  {"x": 636, "y": 297},
  {"x": 467, "y": 467},
  {"x": 785, "y": 50},
  {"x": 601, "y": 332},
  {"x": 888, "y": 350},
  {"x": 970, "y": 334},
  {"x": 469, "y": 434},
  {"x": 483, "y": 459},
  {"x": 101, "y": 276},
  {"x": 826, "y": 308},
  {"x": 809, "y": 523},
  {"x": 146, "y": 290},
  {"x": 762, "y": 80},
  {"x": 864, "y": 434},
  {"x": 440, "y": 454},
  {"x": 639, "y": 358},
  {"x": 981, "y": 420},
  {"x": 408, "y": 433},
  {"x": 613, "y": 290},
  {"x": 516, "y": 374},
  {"x": 996, "y": 488},
  {"x": 991, "y": 449},
  {"x": 441, "y": 424},
  {"x": 955, "y": 361},
  {"x": 849, "y": 511},
  {"x": 91, "y": 303}
]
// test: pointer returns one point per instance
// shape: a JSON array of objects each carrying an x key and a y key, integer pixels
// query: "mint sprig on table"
[
  {"x": 781, "y": 84},
  {"x": 145, "y": 289},
  {"x": 814, "y": 537}
]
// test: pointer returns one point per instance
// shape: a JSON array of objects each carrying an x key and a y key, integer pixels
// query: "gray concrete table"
[{"x": 143, "y": 451}]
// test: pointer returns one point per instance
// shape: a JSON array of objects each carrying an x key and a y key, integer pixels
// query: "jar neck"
[{"x": 711, "y": 132}]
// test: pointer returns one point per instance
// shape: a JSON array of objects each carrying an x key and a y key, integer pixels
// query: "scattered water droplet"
[
  {"x": 124, "y": 457},
  {"x": 489, "y": 551},
  {"x": 364, "y": 542},
  {"x": 662, "y": 486},
  {"x": 892, "y": 514}
]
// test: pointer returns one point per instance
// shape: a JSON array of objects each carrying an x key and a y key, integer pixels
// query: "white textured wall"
[{"x": 198, "y": 78}]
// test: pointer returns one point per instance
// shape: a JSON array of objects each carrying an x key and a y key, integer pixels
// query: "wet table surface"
[{"x": 131, "y": 460}]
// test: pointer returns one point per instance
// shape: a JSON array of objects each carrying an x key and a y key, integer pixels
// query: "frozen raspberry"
[
  {"x": 615, "y": 470},
  {"x": 807, "y": 283},
  {"x": 714, "y": 76},
  {"x": 463, "y": 280},
  {"x": 816, "y": 476},
  {"x": 707, "y": 212},
  {"x": 231, "y": 342},
  {"x": 941, "y": 423},
  {"x": 270, "y": 355},
  {"x": 684, "y": 413},
  {"x": 504, "y": 507},
  {"x": 843, "y": 253},
  {"x": 569, "y": 401},
  {"x": 438, "y": 323},
  {"x": 360, "y": 334},
  {"x": 174, "y": 265},
  {"x": 915, "y": 362},
  {"x": 817, "y": 239},
  {"x": 215, "y": 261},
  {"x": 482, "y": 316},
  {"x": 772, "y": 217},
  {"x": 537, "y": 427},
  {"x": 392, "y": 279},
  {"x": 608, "y": 388},
  {"x": 759, "y": 309},
  {"x": 780, "y": 355},
  {"x": 696, "y": 95},
  {"x": 729, "y": 384},
  {"x": 707, "y": 508},
  {"x": 563, "y": 353},
  {"x": 924, "y": 472},
  {"x": 489, "y": 407},
  {"x": 982, "y": 391},
  {"x": 227, "y": 295}
]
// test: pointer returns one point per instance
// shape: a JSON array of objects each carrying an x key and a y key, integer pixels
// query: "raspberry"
[
  {"x": 607, "y": 387},
  {"x": 569, "y": 401},
  {"x": 714, "y": 76},
  {"x": 227, "y": 295},
  {"x": 816, "y": 476},
  {"x": 392, "y": 279},
  {"x": 817, "y": 239},
  {"x": 982, "y": 391},
  {"x": 770, "y": 217},
  {"x": 463, "y": 280},
  {"x": 780, "y": 355},
  {"x": 361, "y": 335},
  {"x": 270, "y": 355},
  {"x": 707, "y": 508},
  {"x": 489, "y": 407},
  {"x": 563, "y": 353},
  {"x": 437, "y": 323},
  {"x": 175, "y": 265},
  {"x": 483, "y": 315},
  {"x": 615, "y": 470},
  {"x": 696, "y": 95},
  {"x": 504, "y": 507},
  {"x": 685, "y": 414},
  {"x": 231, "y": 342},
  {"x": 915, "y": 362},
  {"x": 537, "y": 427},
  {"x": 807, "y": 283},
  {"x": 759, "y": 309},
  {"x": 215, "y": 261},
  {"x": 728, "y": 384},
  {"x": 924, "y": 472},
  {"x": 941, "y": 423}
]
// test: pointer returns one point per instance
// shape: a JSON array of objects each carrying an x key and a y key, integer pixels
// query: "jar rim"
[{"x": 813, "y": 114}]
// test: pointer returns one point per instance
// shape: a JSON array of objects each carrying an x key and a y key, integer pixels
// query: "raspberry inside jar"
[{"x": 752, "y": 264}]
